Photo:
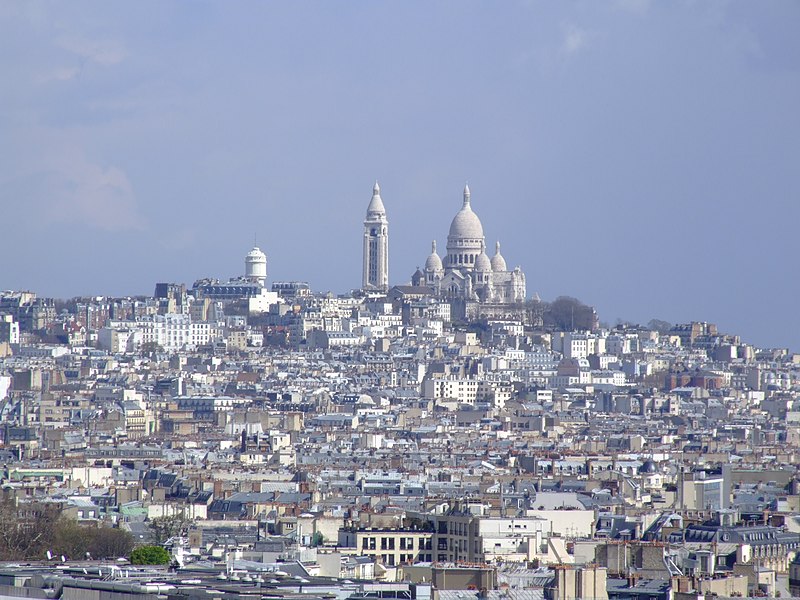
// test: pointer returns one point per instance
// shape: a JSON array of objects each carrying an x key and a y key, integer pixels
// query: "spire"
[
  {"x": 497, "y": 247},
  {"x": 466, "y": 195},
  {"x": 433, "y": 247},
  {"x": 375, "y": 208}
]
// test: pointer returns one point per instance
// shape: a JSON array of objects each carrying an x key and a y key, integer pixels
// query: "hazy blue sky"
[{"x": 641, "y": 156}]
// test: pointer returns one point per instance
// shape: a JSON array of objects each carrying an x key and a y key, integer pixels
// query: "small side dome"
[
  {"x": 498, "y": 262},
  {"x": 482, "y": 262},
  {"x": 433, "y": 262}
]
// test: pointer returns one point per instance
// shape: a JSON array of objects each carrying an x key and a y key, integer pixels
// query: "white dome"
[
  {"x": 466, "y": 224},
  {"x": 498, "y": 262},
  {"x": 256, "y": 254},
  {"x": 433, "y": 262},
  {"x": 375, "y": 208},
  {"x": 482, "y": 262}
]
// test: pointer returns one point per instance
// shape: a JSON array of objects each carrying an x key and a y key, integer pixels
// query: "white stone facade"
[
  {"x": 467, "y": 272},
  {"x": 376, "y": 245},
  {"x": 255, "y": 266}
]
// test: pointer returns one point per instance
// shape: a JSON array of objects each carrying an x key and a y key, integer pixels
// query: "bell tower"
[{"x": 376, "y": 245}]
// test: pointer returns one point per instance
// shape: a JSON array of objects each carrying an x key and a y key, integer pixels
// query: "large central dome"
[{"x": 466, "y": 224}]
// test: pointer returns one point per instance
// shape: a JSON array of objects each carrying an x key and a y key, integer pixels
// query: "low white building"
[{"x": 464, "y": 391}]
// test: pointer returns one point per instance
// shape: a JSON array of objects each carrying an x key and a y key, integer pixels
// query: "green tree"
[
  {"x": 317, "y": 539},
  {"x": 150, "y": 555}
]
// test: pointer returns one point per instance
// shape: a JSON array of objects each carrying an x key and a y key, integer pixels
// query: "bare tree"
[
  {"x": 25, "y": 528},
  {"x": 111, "y": 542},
  {"x": 569, "y": 314},
  {"x": 163, "y": 528}
]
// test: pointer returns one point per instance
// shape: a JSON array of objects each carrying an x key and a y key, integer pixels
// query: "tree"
[
  {"x": 74, "y": 540},
  {"x": 163, "y": 528},
  {"x": 70, "y": 539},
  {"x": 317, "y": 539},
  {"x": 26, "y": 528},
  {"x": 110, "y": 542},
  {"x": 150, "y": 555},
  {"x": 659, "y": 325},
  {"x": 569, "y": 314}
]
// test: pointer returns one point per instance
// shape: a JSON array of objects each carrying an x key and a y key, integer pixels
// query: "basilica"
[{"x": 466, "y": 273}]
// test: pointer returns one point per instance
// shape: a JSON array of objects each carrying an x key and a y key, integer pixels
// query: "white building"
[
  {"x": 255, "y": 266},
  {"x": 176, "y": 332},
  {"x": 464, "y": 391},
  {"x": 9, "y": 329},
  {"x": 467, "y": 272},
  {"x": 119, "y": 340},
  {"x": 376, "y": 244},
  {"x": 579, "y": 344}
]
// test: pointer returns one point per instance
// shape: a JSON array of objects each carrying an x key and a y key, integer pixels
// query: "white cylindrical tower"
[
  {"x": 376, "y": 245},
  {"x": 255, "y": 266}
]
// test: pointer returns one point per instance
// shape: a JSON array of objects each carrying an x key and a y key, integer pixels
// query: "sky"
[{"x": 641, "y": 156}]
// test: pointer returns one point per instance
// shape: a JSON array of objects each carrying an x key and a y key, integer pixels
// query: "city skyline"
[{"x": 640, "y": 157}]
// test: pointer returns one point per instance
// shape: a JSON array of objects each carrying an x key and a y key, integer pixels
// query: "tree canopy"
[
  {"x": 150, "y": 555},
  {"x": 569, "y": 314},
  {"x": 163, "y": 528},
  {"x": 30, "y": 530}
]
